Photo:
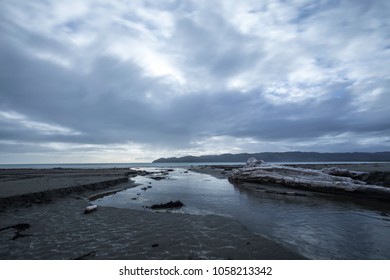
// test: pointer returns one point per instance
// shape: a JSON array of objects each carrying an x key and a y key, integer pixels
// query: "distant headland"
[{"x": 284, "y": 157}]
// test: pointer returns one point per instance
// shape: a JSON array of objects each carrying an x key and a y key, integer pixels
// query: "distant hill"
[{"x": 283, "y": 157}]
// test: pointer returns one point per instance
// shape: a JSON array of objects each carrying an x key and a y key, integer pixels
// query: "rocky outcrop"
[
  {"x": 253, "y": 162},
  {"x": 357, "y": 175},
  {"x": 377, "y": 178},
  {"x": 328, "y": 181}
]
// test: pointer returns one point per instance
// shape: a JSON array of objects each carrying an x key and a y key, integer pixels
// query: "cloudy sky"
[{"x": 132, "y": 81}]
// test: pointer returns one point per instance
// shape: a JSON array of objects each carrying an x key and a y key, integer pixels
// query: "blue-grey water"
[
  {"x": 317, "y": 226},
  {"x": 113, "y": 165},
  {"x": 148, "y": 164}
]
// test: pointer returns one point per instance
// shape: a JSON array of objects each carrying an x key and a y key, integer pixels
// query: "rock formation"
[
  {"x": 253, "y": 162},
  {"x": 328, "y": 180}
]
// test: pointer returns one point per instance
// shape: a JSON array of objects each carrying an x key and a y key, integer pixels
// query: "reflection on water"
[{"x": 317, "y": 226}]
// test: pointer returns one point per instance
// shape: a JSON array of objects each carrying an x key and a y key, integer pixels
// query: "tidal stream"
[{"x": 317, "y": 226}]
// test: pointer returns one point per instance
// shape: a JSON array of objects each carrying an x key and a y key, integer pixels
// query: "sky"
[{"x": 133, "y": 81}]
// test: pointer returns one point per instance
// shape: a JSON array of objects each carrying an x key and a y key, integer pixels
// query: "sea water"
[
  {"x": 150, "y": 164},
  {"x": 114, "y": 165}
]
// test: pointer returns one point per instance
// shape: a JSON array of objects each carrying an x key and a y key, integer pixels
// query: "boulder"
[{"x": 254, "y": 162}]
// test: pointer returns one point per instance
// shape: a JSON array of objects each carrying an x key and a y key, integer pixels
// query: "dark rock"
[
  {"x": 357, "y": 175},
  {"x": 155, "y": 245},
  {"x": 168, "y": 205},
  {"x": 158, "y": 178},
  {"x": 378, "y": 178},
  {"x": 142, "y": 173}
]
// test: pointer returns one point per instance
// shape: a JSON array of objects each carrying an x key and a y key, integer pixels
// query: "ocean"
[
  {"x": 149, "y": 164},
  {"x": 114, "y": 165}
]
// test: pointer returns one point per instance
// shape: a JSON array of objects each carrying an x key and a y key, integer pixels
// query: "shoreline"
[
  {"x": 45, "y": 220},
  {"x": 25, "y": 187}
]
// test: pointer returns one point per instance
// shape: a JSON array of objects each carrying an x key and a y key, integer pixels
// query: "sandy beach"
[{"x": 42, "y": 217}]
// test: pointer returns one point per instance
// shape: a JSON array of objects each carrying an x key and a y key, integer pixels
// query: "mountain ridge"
[{"x": 295, "y": 156}]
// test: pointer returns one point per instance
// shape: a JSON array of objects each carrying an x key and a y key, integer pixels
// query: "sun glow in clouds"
[{"x": 192, "y": 77}]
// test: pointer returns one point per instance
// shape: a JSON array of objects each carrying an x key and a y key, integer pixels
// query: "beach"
[{"x": 42, "y": 217}]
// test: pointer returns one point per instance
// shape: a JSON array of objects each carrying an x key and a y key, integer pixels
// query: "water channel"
[{"x": 317, "y": 226}]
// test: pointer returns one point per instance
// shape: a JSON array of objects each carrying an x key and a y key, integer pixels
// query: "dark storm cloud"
[{"x": 192, "y": 77}]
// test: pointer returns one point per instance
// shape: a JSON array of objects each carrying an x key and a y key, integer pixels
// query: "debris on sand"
[{"x": 90, "y": 209}]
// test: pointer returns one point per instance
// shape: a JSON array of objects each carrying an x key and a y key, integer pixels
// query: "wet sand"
[
  {"x": 15, "y": 182},
  {"x": 57, "y": 228}
]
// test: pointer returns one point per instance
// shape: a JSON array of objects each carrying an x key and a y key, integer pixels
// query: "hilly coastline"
[{"x": 284, "y": 157}]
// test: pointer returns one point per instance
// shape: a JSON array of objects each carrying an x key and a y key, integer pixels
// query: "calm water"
[
  {"x": 145, "y": 164},
  {"x": 317, "y": 226},
  {"x": 114, "y": 165}
]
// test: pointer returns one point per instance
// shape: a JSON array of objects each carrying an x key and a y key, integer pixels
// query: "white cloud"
[
  {"x": 194, "y": 76},
  {"x": 53, "y": 58},
  {"x": 15, "y": 118}
]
